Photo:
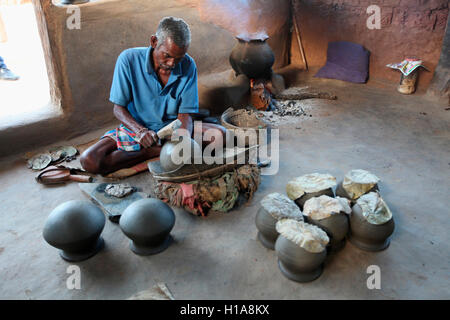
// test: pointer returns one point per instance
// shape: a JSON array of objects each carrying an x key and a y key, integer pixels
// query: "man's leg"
[
  {"x": 217, "y": 131},
  {"x": 103, "y": 157}
]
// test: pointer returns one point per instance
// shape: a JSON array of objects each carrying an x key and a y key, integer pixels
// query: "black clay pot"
[
  {"x": 301, "y": 201},
  {"x": 74, "y": 227},
  {"x": 148, "y": 222},
  {"x": 252, "y": 57},
  {"x": 336, "y": 226},
  {"x": 367, "y": 236},
  {"x": 265, "y": 224},
  {"x": 170, "y": 147},
  {"x": 340, "y": 192},
  {"x": 296, "y": 263}
]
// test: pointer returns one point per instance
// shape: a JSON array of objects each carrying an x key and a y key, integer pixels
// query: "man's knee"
[{"x": 90, "y": 163}]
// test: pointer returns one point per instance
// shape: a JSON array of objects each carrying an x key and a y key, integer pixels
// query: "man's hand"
[{"x": 147, "y": 138}]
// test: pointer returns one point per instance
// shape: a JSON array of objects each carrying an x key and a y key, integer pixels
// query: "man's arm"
[
  {"x": 147, "y": 137},
  {"x": 186, "y": 122}
]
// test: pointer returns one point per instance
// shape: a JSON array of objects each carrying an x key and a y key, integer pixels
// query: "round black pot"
[
  {"x": 74, "y": 227},
  {"x": 148, "y": 222}
]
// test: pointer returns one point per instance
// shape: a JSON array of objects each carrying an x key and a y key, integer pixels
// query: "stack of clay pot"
[{"x": 357, "y": 212}]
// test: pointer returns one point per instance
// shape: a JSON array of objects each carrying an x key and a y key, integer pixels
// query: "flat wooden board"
[{"x": 112, "y": 206}]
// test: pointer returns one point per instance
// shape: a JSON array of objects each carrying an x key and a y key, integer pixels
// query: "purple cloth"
[{"x": 346, "y": 61}]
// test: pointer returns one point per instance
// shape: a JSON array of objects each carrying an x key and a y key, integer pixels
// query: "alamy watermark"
[
  {"x": 74, "y": 20},
  {"x": 374, "y": 280},
  {"x": 74, "y": 280},
  {"x": 374, "y": 20}
]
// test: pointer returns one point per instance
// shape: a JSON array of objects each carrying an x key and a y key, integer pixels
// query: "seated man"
[{"x": 151, "y": 87}]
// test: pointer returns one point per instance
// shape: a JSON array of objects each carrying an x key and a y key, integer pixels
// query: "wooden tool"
[
  {"x": 299, "y": 39},
  {"x": 60, "y": 174}
]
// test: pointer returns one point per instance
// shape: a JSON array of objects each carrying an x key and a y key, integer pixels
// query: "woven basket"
[{"x": 240, "y": 122}]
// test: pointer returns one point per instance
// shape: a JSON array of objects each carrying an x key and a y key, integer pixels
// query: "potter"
[{"x": 163, "y": 88}]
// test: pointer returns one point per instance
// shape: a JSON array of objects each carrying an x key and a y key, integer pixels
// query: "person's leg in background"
[{"x": 5, "y": 73}]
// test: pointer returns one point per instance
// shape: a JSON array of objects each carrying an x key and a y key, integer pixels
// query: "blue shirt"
[{"x": 136, "y": 86}]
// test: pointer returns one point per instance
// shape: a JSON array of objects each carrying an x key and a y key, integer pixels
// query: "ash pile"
[
  {"x": 287, "y": 108},
  {"x": 285, "y": 112}
]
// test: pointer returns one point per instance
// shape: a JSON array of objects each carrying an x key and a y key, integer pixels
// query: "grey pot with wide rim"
[
  {"x": 296, "y": 263},
  {"x": 74, "y": 227},
  {"x": 265, "y": 223},
  {"x": 274, "y": 207},
  {"x": 367, "y": 236},
  {"x": 147, "y": 223},
  {"x": 336, "y": 226},
  {"x": 340, "y": 192},
  {"x": 305, "y": 197}
]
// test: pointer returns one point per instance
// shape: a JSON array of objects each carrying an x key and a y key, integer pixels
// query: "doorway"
[{"x": 28, "y": 98}]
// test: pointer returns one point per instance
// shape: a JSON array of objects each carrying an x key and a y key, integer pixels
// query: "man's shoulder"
[
  {"x": 132, "y": 54},
  {"x": 188, "y": 65}
]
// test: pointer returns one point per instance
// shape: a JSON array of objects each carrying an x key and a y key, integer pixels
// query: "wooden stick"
[{"x": 299, "y": 39}]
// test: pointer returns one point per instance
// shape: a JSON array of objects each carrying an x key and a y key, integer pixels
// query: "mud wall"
[{"x": 412, "y": 28}]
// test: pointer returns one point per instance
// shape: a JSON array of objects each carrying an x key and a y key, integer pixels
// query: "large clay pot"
[
  {"x": 367, "y": 236},
  {"x": 75, "y": 227},
  {"x": 252, "y": 57},
  {"x": 148, "y": 222},
  {"x": 165, "y": 156},
  {"x": 301, "y": 201},
  {"x": 336, "y": 226},
  {"x": 296, "y": 263},
  {"x": 266, "y": 222}
]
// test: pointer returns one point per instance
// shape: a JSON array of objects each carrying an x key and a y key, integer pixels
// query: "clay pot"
[
  {"x": 301, "y": 201},
  {"x": 165, "y": 156},
  {"x": 296, "y": 263},
  {"x": 265, "y": 224},
  {"x": 336, "y": 226},
  {"x": 252, "y": 57},
  {"x": 340, "y": 192},
  {"x": 148, "y": 222},
  {"x": 274, "y": 207},
  {"x": 74, "y": 227},
  {"x": 367, "y": 236}
]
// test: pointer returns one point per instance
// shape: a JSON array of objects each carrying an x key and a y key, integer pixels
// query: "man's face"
[{"x": 166, "y": 55}]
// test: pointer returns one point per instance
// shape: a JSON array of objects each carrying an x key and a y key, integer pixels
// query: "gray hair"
[{"x": 174, "y": 28}]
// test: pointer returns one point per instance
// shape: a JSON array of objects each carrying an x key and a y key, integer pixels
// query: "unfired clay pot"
[
  {"x": 366, "y": 236},
  {"x": 301, "y": 201},
  {"x": 148, "y": 222},
  {"x": 265, "y": 222},
  {"x": 165, "y": 156},
  {"x": 336, "y": 227},
  {"x": 75, "y": 227},
  {"x": 296, "y": 263}
]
